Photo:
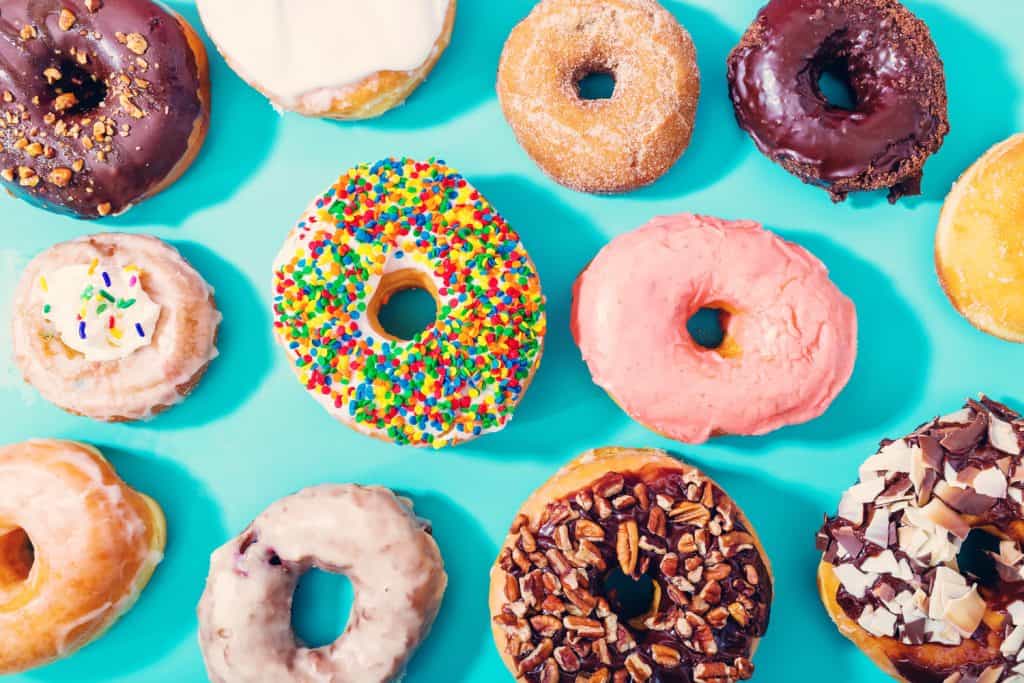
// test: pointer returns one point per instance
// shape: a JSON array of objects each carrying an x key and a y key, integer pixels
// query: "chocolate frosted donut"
[
  {"x": 102, "y": 103},
  {"x": 886, "y": 55}
]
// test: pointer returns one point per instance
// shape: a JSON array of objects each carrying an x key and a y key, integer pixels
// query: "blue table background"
[{"x": 250, "y": 434}]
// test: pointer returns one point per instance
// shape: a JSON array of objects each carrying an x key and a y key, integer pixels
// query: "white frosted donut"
[
  {"x": 112, "y": 326},
  {"x": 366, "y": 533}
]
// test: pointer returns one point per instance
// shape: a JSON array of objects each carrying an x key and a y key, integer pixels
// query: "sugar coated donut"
[
  {"x": 638, "y": 513},
  {"x": 115, "y": 327},
  {"x": 103, "y": 103},
  {"x": 978, "y": 244},
  {"x": 889, "y": 576},
  {"x": 896, "y": 78},
  {"x": 607, "y": 145},
  {"x": 790, "y": 334},
  {"x": 343, "y": 59},
  {"x": 77, "y": 546},
  {"x": 402, "y": 224},
  {"x": 366, "y": 533}
]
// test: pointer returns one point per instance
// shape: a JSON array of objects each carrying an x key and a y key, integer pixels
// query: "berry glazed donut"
[
  {"x": 115, "y": 327},
  {"x": 977, "y": 246},
  {"x": 640, "y": 513},
  {"x": 103, "y": 103},
  {"x": 396, "y": 225},
  {"x": 77, "y": 547},
  {"x": 342, "y": 59},
  {"x": 366, "y": 533},
  {"x": 896, "y": 78},
  {"x": 790, "y": 335},
  {"x": 889, "y": 576},
  {"x": 606, "y": 145}
]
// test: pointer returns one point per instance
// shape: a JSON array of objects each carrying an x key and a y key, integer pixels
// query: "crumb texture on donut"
[
  {"x": 77, "y": 547},
  {"x": 978, "y": 247},
  {"x": 367, "y": 533},
  {"x": 611, "y": 145},
  {"x": 889, "y": 576},
  {"x": 643, "y": 514}
]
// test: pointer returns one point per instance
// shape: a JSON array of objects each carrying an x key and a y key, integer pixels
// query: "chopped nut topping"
[
  {"x": 7, "y": 174},
  {"x": 136, "y": 43},
  {"x": 28, "y": 32},
  {"x": 34, "y": 150},
  {"x": 104, "y": 209},
  {"x": 60, "y": 176},
  {"x": 65, "y": 101},
  {"x": 66, "y": 19},
  {"x": 52, "y": 75},
  {"x": 93, "y": 5}
]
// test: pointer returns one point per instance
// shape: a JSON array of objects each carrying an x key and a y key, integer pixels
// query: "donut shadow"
[
  {"x": 195, "y": 528},
  {"x": 718, "y": 145},
  {"x": 562, "y": 406},
  {"x": 242, "y": 354},
  {"x": 243, "y": 127},
  {"x": 786, "y": 520},
  {"x": 886, "y": 385},
  {"x": 466, "y": 75}
]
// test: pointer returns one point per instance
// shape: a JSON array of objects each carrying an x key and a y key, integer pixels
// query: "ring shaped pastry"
[
  {"x": 639, "y": 513},
  {"x": 889, "y": 576},
  {"x": 342, "y": 59},
  {"x": 77, "y": 547},
  {"x": 115, "y": 327},
  {"x": 603, "y": 145},
  {"x": 104, "y": 102},
  {"x": 885, "y": 53},
  {"x": 977, "y": 246},
  {"x": 401, "y": 224},
  {"x": 366, "y": 533},
  {"x": 790, "y": 335}
]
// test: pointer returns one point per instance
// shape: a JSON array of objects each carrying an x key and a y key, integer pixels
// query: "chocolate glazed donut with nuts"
[
  {"x": 103, "y": 103},
  {"x": 556, "y": 617}
]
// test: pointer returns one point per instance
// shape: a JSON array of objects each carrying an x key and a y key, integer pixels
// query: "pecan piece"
[
  {"x": 627, "y": 546},
  {"x": 588, "y": 628},
  {"x": 688, "y": 512},
  {"x": 591, "y": 531},
  {"x": 609, "y": 485},
  {"x": 665, "y": 656},
  {"x": 639, "y": 669},
  {"x": 711, "y": 672},
  {"x": 536, "y": 656},
  {"x": 656, "y": 521},
  {"x": 545, "y": 625},
  {"x": 567, "y": 660},
  {"x": 737, "y": 612}
]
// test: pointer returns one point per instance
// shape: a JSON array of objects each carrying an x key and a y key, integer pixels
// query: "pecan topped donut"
[
  {"x": 640, "y": 513},
  {"x": 102, "y": 103},
  {"x": 889, "y": 574}
]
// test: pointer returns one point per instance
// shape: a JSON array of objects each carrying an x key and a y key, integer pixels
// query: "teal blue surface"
[{"x": 250, "y": 434}]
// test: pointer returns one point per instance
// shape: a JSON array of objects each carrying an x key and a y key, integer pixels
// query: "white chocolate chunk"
[
  {"x": 965, "y": 612},
  {"x": 851, "y": 506},
  {"x": 878, "y": 622},
  {"x": 896, "y": 457},
  {"x": 990, "y": 482},
  {"x": 1011, "y": 646},
  {"x": 854, "y": 580},
  {"x": 1003, "y": 436}
]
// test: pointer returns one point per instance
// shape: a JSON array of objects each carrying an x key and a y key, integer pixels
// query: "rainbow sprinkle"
[{"x": 465, "y": 373}]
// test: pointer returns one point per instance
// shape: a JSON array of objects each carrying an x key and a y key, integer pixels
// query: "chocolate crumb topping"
[{"x": 712, "y": 590}]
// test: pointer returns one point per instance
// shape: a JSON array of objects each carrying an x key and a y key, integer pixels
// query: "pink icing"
[{"x": 795, "y": 331}]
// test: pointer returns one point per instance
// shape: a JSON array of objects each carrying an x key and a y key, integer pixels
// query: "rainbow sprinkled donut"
[{"x": 401, "y": 224}]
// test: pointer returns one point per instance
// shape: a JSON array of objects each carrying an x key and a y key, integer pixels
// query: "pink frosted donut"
[{"x": 790, "y": 335}]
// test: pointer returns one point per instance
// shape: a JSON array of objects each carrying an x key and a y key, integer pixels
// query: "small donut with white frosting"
[
  {"x": 367, "y": 533},
  {"x": 342, "y": 59},
  {"x": 114, "y": 327}
]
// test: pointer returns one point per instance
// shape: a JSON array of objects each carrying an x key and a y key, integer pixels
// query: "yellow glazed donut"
[
  {"x": 342, "y": 59},
  {"x": 77, "y": 546}
]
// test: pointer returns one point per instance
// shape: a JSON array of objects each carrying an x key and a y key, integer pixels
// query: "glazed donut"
[
  {"x": 366, "y": 533},
  {"x": 342, "y": 59},
  {"x": 115, "y": 327},
  {"x": 896, "y": 78},
  {"x": 641, "y": 513},
  {"x": 77, "y": 547},
  {"x": 611, "y": 145},
  {"x": 103, "y": 103},
  {"x": 889, "y": 576},
  {"x": 977, "y": 246},
  {"x": 396, "y": 225},
  {"x": 790, "y": 334}
]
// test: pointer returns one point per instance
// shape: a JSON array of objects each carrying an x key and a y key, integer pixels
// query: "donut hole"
[
  {"x": 321, "y": 607},
  {"x": 975, "y": 558},
  {"x": 89, "y": 89},
  {"x": 835, "y": 85},
  {"x": 404, "y": 305},
  {"x": 595, "y": 84},
  {"x": 707, "y": 327},
  {"x": 17, "y": 557},
  {"x": 628, "y": 597}
]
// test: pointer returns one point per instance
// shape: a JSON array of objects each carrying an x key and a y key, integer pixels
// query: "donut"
[
  {"x": 607, "y": 145},
  {"x": 896, "y": 79},
  {"x": 638, "y": 513},
  {"x": 790, "y": 335},
  {"x": 342, "y": 59},
  {"x": 401, "y": 224},
  {"x": 366, "y": 533},
  {"x": 888, "y": 575},
  {"x": 103, "y": 103},
  {"x": 77, "y": 547},
  {"x": 112, "y": 326},
  {"x": 977, "y": 245}
]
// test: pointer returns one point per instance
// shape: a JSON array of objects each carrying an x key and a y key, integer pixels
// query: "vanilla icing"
[{"x": 291, "y": 48}]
